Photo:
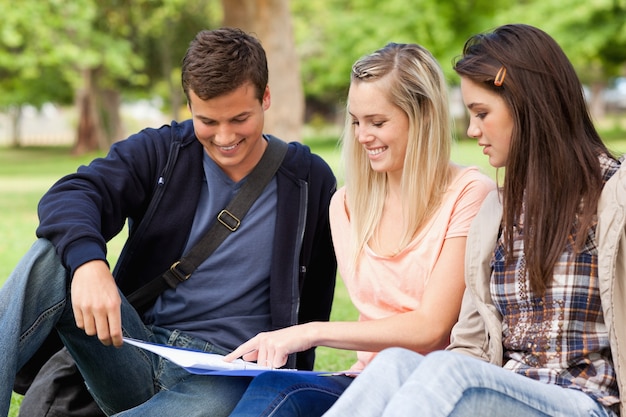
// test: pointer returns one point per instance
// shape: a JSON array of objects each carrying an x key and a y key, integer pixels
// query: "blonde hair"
[{"x": 415, "y": 83}]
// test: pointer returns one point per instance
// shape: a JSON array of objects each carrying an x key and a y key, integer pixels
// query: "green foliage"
[
  {"x": 26, "y": 74},
  {"x": 137, "y": 45},
  {"x": 16, "y": 400},
  {"x": 332, "y": 34},
  {"x": 46, "y": 46},
  {"x": 593, "y": 34}
]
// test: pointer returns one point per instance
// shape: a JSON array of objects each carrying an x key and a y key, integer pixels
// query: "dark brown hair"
[
  {"x": 220, "y": 61},
  {"x": 552, "y": 172}
]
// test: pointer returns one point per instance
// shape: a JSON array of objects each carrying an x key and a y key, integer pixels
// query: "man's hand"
[{"x": 96, "y": 302}]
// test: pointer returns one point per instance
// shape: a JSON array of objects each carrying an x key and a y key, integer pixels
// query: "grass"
[{"x": 25, "y": 174}]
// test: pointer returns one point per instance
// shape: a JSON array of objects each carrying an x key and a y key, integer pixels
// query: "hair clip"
[{"x": 499, "y": 80}]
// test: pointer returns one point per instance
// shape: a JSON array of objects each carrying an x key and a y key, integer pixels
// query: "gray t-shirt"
[{"x": 226, "y": 300}]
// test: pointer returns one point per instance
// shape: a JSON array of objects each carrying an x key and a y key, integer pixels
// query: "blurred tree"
[
  {"x": 271, "y": 21},
  {"x": 592, "y": 34},
  {"x": 34, "y": 88},
  {"x": 163, "y": 35},
  {"x": 97, "y": 48},
  {"x": 151, "y": 37},
  {"x": 60, "y": 35},
  {"x": 25, "y": 79},
  {"x": 332, "y": 34}
]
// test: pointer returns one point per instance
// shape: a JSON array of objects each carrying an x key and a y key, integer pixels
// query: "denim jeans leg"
[
  {"x": 31, "y": 302},
  {"x": 400, "y": 383},
  {"x": 181, "y": 393},
  {"x": 290, "y": 394},
  {"x": 194, "y": 396},
  {"x": 455, "y": 385},
  {"x": 473, "y": 384},
  {"x": 118, "y": 378},
  {"x": 373, "y": 389}
]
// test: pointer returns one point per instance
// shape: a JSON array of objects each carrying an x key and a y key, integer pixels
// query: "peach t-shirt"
[{"x": 387, "y": 285}]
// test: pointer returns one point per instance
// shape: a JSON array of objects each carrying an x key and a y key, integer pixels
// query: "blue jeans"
[
  {"x": 35, "y": 301},
  {"x": 290, "y": 394},
  {"x": 400, "y": 382}
]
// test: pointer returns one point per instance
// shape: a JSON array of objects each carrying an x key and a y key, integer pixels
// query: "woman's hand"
[{"x": 272, "y": 349}]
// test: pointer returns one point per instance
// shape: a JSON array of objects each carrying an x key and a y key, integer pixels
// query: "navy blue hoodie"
[{"x": 84, "y": 210}]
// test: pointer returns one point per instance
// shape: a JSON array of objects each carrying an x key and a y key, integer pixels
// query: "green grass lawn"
[{"x": 25, "y": 174}]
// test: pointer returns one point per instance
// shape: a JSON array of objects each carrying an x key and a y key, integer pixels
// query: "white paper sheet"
[
  {"x": 204, "y": 363},
  {"x": 195, "y": 359}
]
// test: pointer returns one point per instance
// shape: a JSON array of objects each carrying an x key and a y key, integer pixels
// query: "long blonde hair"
[{"x": 416, "y": 85}]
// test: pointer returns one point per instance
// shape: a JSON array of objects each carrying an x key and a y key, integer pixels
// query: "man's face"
[{"x": 230, "y": 128}]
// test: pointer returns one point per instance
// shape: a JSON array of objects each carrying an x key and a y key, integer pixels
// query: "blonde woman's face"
[
  {"x": 379, "y": 126},
  {"x": 490, "y": 121}
]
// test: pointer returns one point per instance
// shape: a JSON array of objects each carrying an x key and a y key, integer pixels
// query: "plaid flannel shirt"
[{"x": 559, "y": 338}]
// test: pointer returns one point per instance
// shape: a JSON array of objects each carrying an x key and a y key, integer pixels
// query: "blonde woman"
[{"x": 399, "y": 227}]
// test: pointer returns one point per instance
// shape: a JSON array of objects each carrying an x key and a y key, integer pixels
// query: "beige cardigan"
[{"x": 479, "y": 329}]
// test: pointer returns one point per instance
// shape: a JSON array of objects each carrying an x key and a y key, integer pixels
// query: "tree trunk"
[
  {"x": 112, "y": 128},
  {"x": 16, "y": 125},
  {"x": 173, "y": 84},
  {"x": 270, "y": 21},
  {"x": 597, "y": 105},
  {"x": 88, "y": 131}
]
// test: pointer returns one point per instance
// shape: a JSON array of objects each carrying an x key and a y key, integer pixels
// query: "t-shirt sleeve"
[
  {"x": 339, "y": 221},
  {"x": 472, "y": 188}
]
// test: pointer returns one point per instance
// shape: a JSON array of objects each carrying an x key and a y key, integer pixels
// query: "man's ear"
[{"x": 267, "y": 99}]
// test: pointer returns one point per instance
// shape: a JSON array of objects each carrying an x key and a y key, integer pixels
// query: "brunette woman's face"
[{"x": 490, "y": 123}]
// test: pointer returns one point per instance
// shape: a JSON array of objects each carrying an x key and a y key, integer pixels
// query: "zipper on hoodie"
[{"x": 131, "y": 244}]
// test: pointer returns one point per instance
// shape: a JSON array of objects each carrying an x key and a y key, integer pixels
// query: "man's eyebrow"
[
  {"x": 237, "y": 116},
  {"x": 243, "y": 113}
]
